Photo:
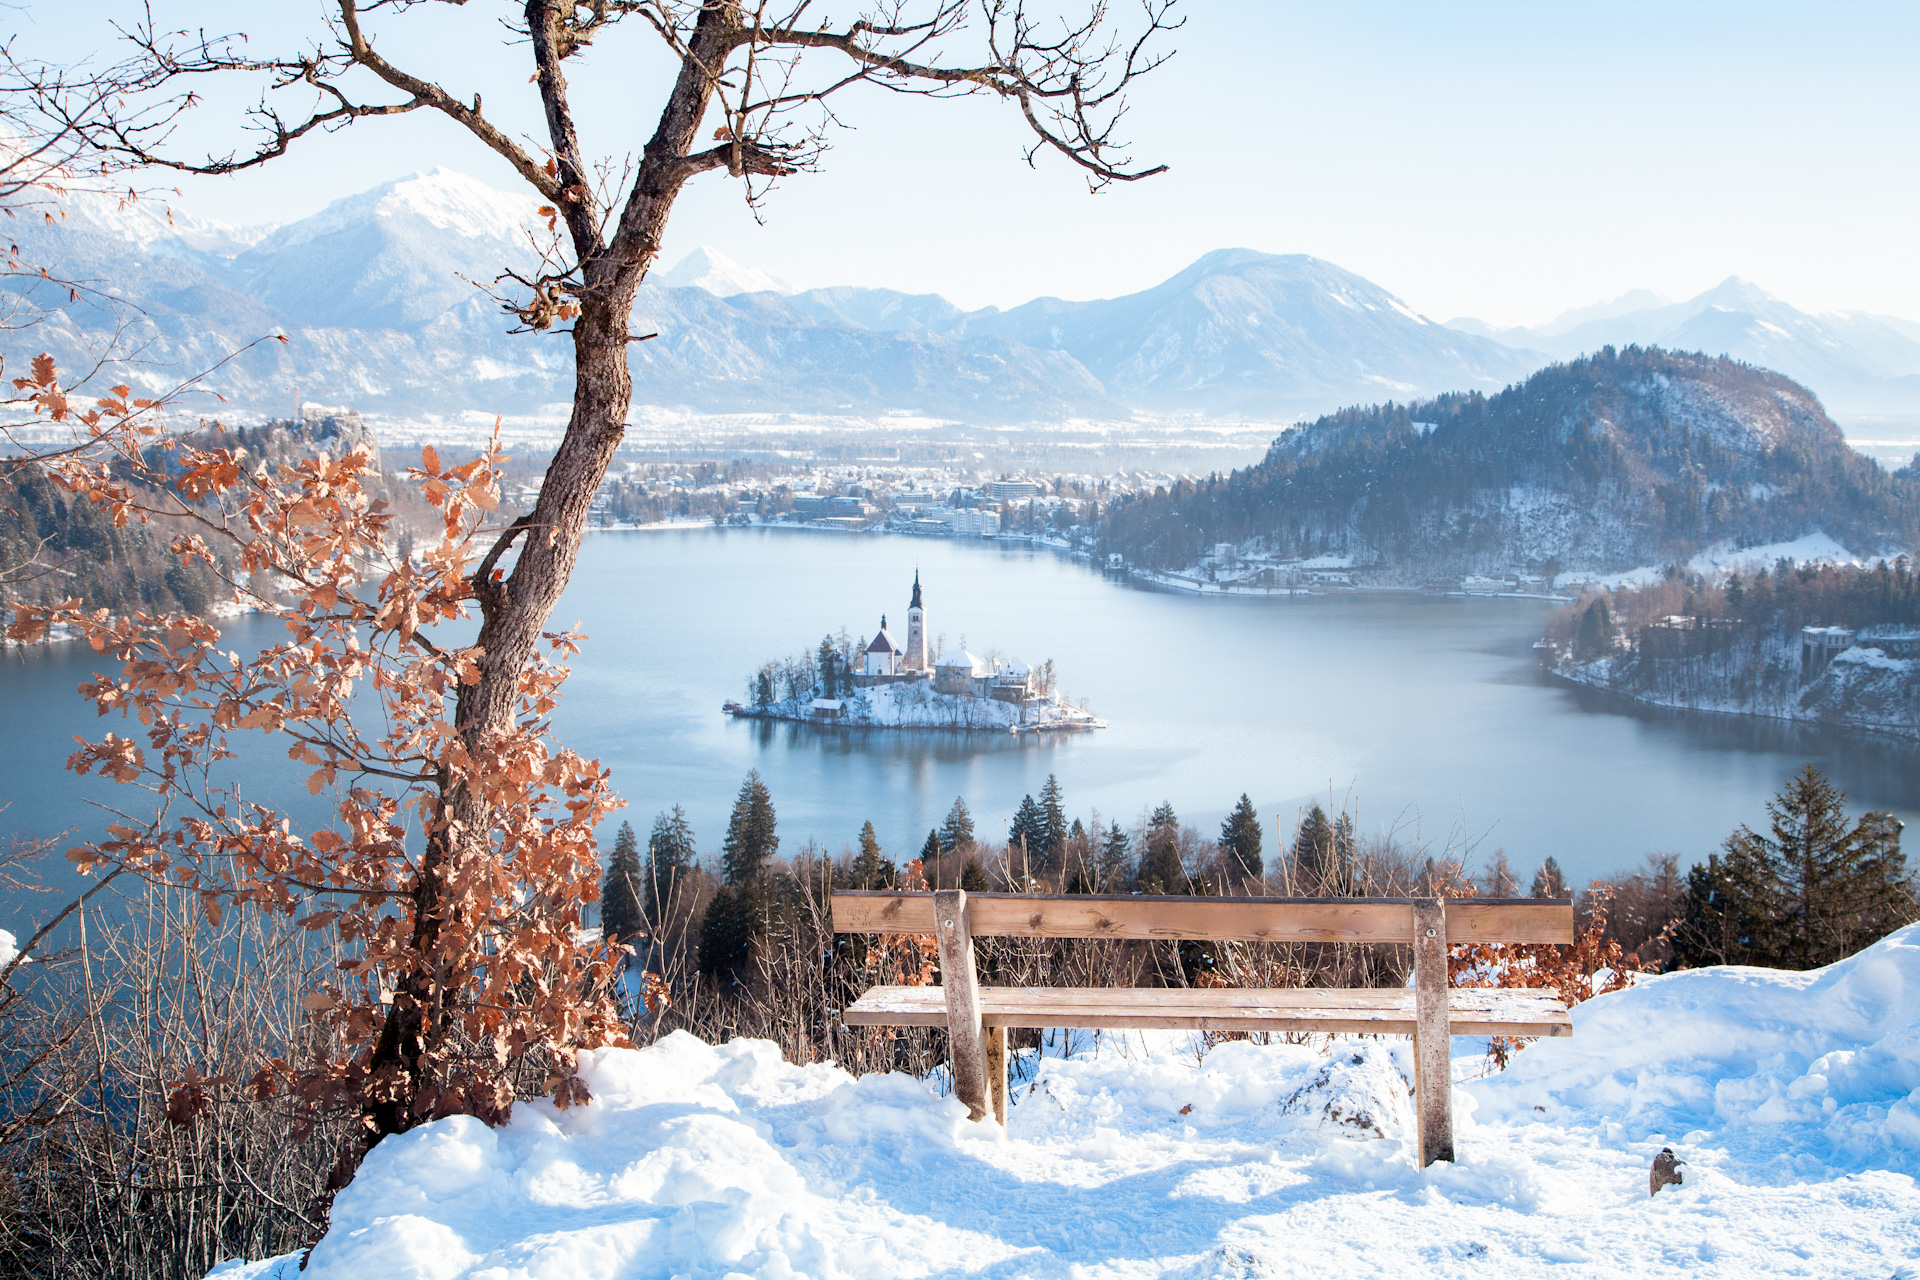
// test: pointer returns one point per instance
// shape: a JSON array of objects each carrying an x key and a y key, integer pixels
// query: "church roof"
[
  {"x": 958, "y": 658},
  {"x": 882, "y": 643}
]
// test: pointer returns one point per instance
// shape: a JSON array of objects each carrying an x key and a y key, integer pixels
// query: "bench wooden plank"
[
  {"x": 1356, "y": 920},
  {"x": 1472, "y": 1011},
  {"x": 1433, "y": 1019},
  {"x": 960, "y": 1003}
]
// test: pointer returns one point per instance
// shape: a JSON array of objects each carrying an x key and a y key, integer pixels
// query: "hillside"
[
  {"x": 1788, "y": 1096},
  {"x": 1616, "y": 460}
]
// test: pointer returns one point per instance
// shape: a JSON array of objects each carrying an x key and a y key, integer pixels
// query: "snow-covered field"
[{"x": 1794, "y": 1100}]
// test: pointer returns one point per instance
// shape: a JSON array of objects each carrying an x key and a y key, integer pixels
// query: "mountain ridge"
[
  {"x": 378, "y": 294},
  {"x": 1864, "y": 365}
]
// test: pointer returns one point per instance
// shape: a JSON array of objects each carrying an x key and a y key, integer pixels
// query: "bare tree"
[{"x": 753, "y": 96}]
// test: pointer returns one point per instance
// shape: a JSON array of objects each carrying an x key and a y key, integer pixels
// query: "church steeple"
[
  {"x": 916, "y": 590},
  {"x": 916, "y": 656}
]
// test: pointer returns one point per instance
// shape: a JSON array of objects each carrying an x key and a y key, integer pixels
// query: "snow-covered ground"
[
  {"x": 1793, "y": 1098},
  {"x": 1723, "y": 558}
]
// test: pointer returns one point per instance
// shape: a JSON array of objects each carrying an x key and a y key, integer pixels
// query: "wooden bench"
[{"x": 976, "y": 1017}]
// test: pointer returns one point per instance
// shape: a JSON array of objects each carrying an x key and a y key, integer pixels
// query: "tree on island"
[
  {"x": 828, "y": 662},
  {"x": 1240, "y": 839},
  {"x": 870, "y": 869},
  {"x": 670, "y": 857},
  {"x": 620, "y": 912}
]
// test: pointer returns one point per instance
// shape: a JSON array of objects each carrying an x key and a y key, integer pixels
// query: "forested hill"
[{"x": 1619, "y": 459}]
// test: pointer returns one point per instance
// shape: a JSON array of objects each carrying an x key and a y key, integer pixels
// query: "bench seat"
[{"x": 1471, "y": 1011}]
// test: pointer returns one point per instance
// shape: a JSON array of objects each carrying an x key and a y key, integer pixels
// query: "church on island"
[
  {"x": 956, "y": 672},
  {"x": 885, "y": 683}
]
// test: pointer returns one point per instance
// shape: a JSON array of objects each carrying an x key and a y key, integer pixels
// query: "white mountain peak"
[
  {"x": 708, "y": 268},
  {"x": 443, "y": 198}
]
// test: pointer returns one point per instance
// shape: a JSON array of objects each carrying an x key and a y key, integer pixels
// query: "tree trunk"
[{"x": 516, "y": 609}]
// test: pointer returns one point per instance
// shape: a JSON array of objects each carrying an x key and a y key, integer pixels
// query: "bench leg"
[
  {"x": 1432, "y": 1038},
  {"x": 997, "y": 1071},
  {"x": 961, "y": 986}
]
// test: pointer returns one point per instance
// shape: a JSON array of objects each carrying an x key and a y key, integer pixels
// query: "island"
[{"x": 882, "y": 683}]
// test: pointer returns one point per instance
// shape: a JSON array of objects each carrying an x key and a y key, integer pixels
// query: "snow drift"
[{"x": 1793, "y": 1098}]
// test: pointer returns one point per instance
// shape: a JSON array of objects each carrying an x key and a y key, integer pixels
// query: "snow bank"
[
  {"x": 1795, "y": 1075},
  {"x": 1723, "y": 558},
  {"x": 1868, "y": 656},
  {"x": 9, "y": 948},
  {"x": 1791, "y": 1097}
]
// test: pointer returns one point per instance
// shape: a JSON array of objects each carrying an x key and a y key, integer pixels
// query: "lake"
[{"x": 1426, "y": 716}]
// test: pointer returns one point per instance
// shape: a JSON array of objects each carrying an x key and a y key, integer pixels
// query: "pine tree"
[
  {"x": 1810, "y": 891},
  {"x": 1498, "y": 880},
  {"x": 1114, "y": 855},
  {"x": 1323, "y": 854},
  {"x": 1161, "y": 869},
  {"x": 828, "y": 662},
  {"x": 1548, "y": 882},
  {"x": 751, "y": 839},
  {"x": 1240, "y": 839},
  {"x": 1835, "y": 894},
  {"x": 1596, "y": 630},
  {"x": 620, "y": 914},
  {"x": 956, "y": 833},
  {"x": 1053, "y": 826},
  {"x": 930, "y": 853},
  {"x": 1024, "y": 836},
  {"x": 670, "y": 855},
  {"x": 972, "y": 877},
  {"x": 727, "y": 932},
  {"x": 870, "y": 869}
]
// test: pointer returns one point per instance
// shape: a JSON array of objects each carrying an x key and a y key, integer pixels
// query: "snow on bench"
[{"x": 976, "y": 1017}]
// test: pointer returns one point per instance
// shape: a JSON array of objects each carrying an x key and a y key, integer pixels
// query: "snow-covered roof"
[
  {"x": 958, "y": 658},
  {"x": 882, "y": 643},
  {"x": 1015, "y": 669},
  {"x": 828, "y": 704}
]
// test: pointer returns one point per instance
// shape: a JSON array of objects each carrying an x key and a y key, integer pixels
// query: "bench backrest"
[{"x": 1033, "y": 915}]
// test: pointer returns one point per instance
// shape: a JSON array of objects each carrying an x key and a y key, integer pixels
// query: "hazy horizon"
[{"x": 1501, "y": 161}]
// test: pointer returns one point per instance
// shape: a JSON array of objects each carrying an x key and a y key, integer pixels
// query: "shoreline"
[
  {"x": 1012, "y": 730},
  {"x": 1899, "y": 733}
]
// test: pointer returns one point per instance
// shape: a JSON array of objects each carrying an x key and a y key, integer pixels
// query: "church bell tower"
[{"x": 917, "y": 631}]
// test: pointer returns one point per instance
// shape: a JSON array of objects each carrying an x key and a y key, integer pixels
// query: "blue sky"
[{"x": 1501, "y": 160}]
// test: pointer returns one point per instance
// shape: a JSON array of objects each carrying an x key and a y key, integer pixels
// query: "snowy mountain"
[
  {"x": 1613, "y": 461},
  {"x": 1248, "y": 334},
  {"x": 1862, "y": 366},
  {"x": 707, "y": 268},
  {"x": 381, "y": 296}
]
